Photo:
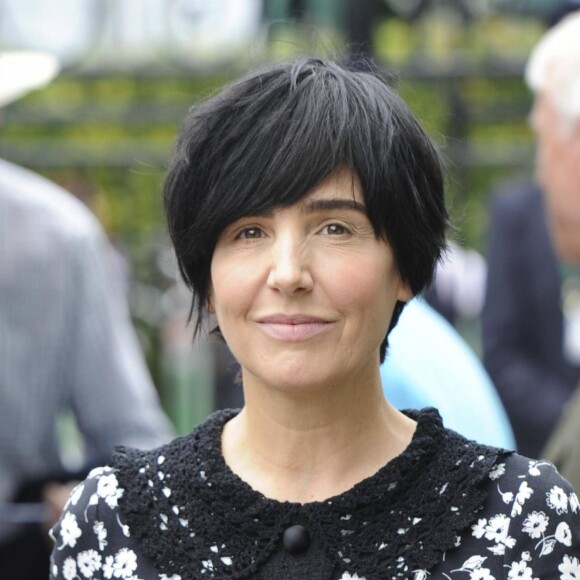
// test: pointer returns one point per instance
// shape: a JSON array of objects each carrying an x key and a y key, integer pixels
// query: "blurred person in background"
[
  {"x": 458, "y": 290},
  {"x": 531, "y": 326},
  {"x": 554, "y": 75},
  {"x": 66, "y": 344}
]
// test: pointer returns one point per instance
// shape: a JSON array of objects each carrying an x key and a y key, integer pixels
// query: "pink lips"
[{"x": 292, "y": 328}]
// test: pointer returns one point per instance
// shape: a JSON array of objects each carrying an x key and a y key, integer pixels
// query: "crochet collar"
[{"x": 190, "y": 511}]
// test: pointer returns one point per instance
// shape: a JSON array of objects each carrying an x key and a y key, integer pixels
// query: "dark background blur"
[{"x": 131, "y": 69}]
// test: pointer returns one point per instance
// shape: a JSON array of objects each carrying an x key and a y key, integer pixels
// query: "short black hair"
[{"x": 268, "y": 139}]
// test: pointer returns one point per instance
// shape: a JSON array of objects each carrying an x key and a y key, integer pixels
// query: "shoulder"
[
  {"x": 524, "y": 485},
  {"x": 531, "y": 518},
  {"x": 34, "y": 201},
  {"x": 90, "y": 538},
  {"x": 93, "y": 501},
  {"x": 539, "y": 478},
  {"x": 517, "y": 195},
  {"x": 517, "y": 206}
]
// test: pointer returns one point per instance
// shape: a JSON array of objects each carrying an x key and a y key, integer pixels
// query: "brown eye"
[
  {"x": 334, "y": 230},
  {"x": 250, "y": 234}
]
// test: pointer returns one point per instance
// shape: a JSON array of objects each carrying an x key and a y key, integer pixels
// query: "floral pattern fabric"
[{"x": 528, "y": 528}]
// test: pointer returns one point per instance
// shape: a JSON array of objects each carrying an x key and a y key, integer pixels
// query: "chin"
[{"x": 294, "y": 377}]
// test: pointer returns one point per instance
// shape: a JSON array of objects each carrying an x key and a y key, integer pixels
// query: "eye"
[
  {"x": 250, "y": 233},
  {"x": 334, "y": 230}
]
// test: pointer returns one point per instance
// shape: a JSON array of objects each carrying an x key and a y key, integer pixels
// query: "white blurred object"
[
  {"x": 554, "y": 66},
  {"x": 460, "y": 281},
  {"x": 23, "y": 71},
  {"x": 124, "y": 34},
  {"x": 571, "y": 312},
  {"x": 65, "y": 28},
  {"x": 203, "y": 32}
]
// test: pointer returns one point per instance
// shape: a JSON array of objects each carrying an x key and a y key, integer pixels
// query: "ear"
[{"x": 404, "y": 294}]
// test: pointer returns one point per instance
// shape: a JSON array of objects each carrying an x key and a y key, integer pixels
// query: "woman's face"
[{"x": 304, "y": 295}]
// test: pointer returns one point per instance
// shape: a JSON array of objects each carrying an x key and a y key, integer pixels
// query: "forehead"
[
  {"x": 342, "y": 183},
  {"x": 548, "y": 120}
]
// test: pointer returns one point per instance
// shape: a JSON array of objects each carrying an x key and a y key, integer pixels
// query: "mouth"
[{"x": 293, "y": 328}]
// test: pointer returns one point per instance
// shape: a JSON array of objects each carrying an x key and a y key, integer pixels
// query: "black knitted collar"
[{"x": 191, "y": 512}]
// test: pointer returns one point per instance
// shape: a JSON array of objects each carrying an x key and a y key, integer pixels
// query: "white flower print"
[
  {"x": 96, "y": 472},
  {"x": 533, "y": 469},
  {"x": 570, "y": 568},
  {"x": 478, "y": 529},
  {"x": 174, "y": 577},
  {"x": 547, "y": 546},
  {"x": 563, "y": 534},
  {"x": 88, "y": 562},
  {"x": 557, "y": 499},
  {"x": 497, "y": 550},
  {"x": 473, "y": 566},
  {"x": 481, "y": 574},
  {"x": 473, "y": 563},
  {"x": 497, "y": 471},
  {"x": 574, "y": 505},
  {"x": 536, "y": 524},
  {"x": 108, "y": 488},
  {"x": 507, "y": 496},
  {"x": 109, "y": 567},
  {"x": 69, "y": 530},
  {"x": 125, "y": 563},
  {"x": 497, "y": 528},
  {"x": 520, "y": 570},
  {"x": 347, "y": 576},
  {"x": 420, "y": 574},
  {"x": 524, "y": 493},
  {"x": 101, "y": 533},
  {"x": 76, "y": 494},
  {"x": 69, "y": 569}
]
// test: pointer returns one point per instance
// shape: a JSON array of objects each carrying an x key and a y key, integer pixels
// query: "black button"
[{"x": 296, "y": 539}]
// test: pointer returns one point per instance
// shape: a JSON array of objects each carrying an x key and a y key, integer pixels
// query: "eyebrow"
[
  {"x": 330, "y": 204},
  {"x": 320, "y": 205}
]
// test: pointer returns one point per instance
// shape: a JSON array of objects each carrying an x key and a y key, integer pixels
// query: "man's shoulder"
[
  {"x": 47, "y": 207},
  {"x": 520, "y": 195}
]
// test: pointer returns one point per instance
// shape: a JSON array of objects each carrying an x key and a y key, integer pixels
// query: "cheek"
[
  {"x": 366, "y": 285},
  {"x": 231, "y": 285}
]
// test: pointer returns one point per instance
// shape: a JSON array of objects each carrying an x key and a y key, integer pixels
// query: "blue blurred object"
[{"x": 429, "y": 364}]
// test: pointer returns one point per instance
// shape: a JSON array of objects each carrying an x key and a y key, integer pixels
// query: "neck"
[{"x": 304, "y": 448}]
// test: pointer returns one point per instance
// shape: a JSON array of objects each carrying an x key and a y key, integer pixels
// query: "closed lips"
[{"x": 293, "y": 328}]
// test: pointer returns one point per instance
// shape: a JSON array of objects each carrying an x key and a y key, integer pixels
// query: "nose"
[{"x": 290, "y": 269}]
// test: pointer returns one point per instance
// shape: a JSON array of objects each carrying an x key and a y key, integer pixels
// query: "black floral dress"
[{"x": 446, "y": 508}]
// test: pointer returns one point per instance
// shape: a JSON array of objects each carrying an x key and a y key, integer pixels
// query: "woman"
[{"x": 306, "y": 207}]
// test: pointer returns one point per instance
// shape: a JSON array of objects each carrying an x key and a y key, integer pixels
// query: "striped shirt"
[{"x": 66, "y": 341}]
